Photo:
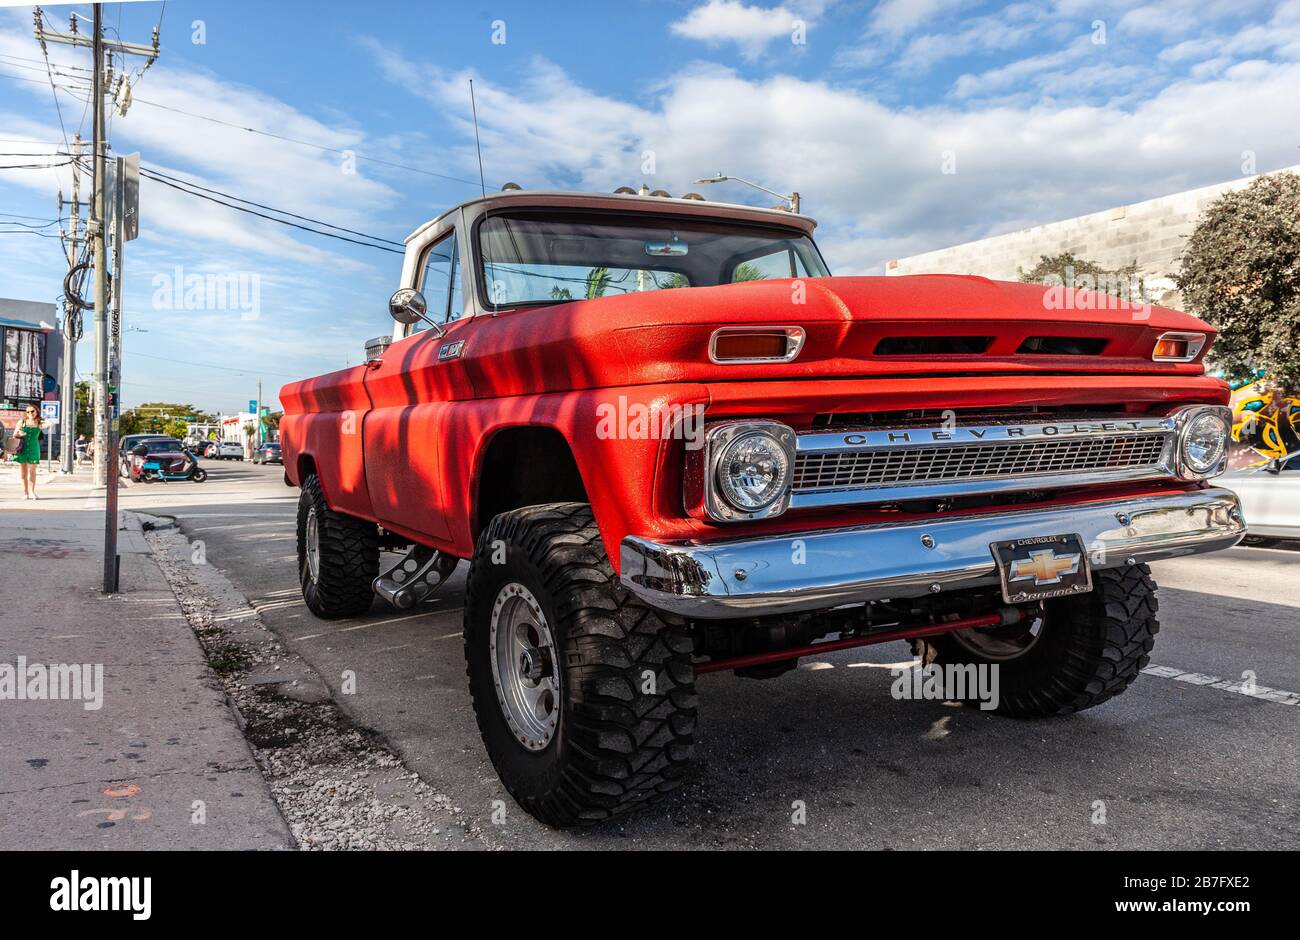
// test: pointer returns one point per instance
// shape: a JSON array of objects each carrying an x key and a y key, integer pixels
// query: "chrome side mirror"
[{"x": 408, "y": 306}]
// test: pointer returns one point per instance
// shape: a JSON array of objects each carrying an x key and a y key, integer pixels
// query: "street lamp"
[{"x": 792, "y": 198}]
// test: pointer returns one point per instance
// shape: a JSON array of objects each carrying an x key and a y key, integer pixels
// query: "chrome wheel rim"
[
  {"x": 524, "y": 666},
  {"x": 1001, "y": 644},
  {"x": 313, "y": 545}
]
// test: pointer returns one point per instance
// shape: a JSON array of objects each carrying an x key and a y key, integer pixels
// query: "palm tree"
[{"x": 597, "y": 282}]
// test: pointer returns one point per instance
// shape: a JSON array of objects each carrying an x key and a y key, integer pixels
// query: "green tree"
[
  {"x": 1240, "y": 272},
  {"x": 746, "y": 272},
  {"x": 597, "y": 282},
  {"x": 1068, "y": 270},
  {"x": 561, "y": 293},
  {"x": 85, "y": 412},
  {"x": 160, "y": 418}
]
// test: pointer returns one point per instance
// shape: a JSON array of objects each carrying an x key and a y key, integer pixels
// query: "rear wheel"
[
  {"x": 584, "y": 696},
  {"x": 338, "y": 556},
  {"x": 1082, "y": 651},
  {"x": 200, "y": 475}
]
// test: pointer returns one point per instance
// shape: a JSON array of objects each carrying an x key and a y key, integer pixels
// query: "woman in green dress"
[{"x": 29, "y": 431}]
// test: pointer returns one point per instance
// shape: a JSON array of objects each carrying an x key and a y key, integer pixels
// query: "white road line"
[
  {"x": 1227, "y": 685},
  {"x": 381, "y": 623}
]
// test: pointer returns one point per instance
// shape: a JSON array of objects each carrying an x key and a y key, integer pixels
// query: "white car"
[
  {"x": 229, "y": 450},
  {"x": 1270, "y": 500}
]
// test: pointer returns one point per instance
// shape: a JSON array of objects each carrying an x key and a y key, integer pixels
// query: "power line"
[
  {"x": 49, "y": 73},
  {"x": 208, "y": 365},
  {"x": 271, "y": 218},
  {"x": 303, "y": 143},
  {"x": 177, "y": 179},
  {"x": 253, "y": 130},
  {"x": 35, "y": 166}
]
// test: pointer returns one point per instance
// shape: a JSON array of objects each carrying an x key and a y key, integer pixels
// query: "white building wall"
[{"x": 1151, "y": 234}]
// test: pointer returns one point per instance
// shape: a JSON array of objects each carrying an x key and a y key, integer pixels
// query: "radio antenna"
[{"x": 477, "y": 145}]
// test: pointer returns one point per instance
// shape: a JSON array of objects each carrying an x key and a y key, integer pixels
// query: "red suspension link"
[{"x": 1004, "y": 616}]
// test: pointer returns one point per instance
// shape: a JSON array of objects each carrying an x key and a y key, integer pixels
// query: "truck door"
[{"x": 411, "y": 390}]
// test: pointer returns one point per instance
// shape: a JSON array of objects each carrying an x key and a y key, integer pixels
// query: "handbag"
[{"x": 11, "y": 445}]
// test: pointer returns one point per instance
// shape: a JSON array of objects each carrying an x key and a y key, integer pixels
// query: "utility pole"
[
  {"x": 71, "y": 323},
  {"x": 257, "y": 421},
  {"x": 105, "y": 467},
  {"x": 98, "y": 224}
]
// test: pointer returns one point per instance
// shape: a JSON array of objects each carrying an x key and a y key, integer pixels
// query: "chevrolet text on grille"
[{"x": 958, "y": 434}]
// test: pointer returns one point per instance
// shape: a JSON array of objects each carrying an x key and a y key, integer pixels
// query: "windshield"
[
  {"x": 531, "y": 258},
  {"x": 164, "y": 446}
]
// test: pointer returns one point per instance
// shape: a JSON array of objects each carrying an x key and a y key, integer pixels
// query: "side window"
[
  {"x": 778, "y": 264},
  {"x": 436, "y": 280}
]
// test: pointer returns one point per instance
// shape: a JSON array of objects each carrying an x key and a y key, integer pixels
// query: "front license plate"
[{"x": 1045, "y": 566}]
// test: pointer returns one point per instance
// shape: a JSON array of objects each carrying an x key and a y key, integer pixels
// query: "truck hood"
[{"x": 856, "y": 327}]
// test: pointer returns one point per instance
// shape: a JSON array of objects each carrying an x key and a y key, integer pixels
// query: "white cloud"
[
  {"x": 751, "y": 28},
  {"x": 871, "y": 173},
  {"x": 274, "y": 172},
  {"x": 904, "y": 16}
]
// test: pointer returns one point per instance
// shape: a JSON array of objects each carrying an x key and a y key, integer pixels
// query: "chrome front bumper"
[{"x": 815, "y": 570}]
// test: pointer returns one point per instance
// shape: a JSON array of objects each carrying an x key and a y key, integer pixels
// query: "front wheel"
[
  {"x": 1080, "y": 652},
  {"x": 200, "y": 475},
  {"x": 338, "y": 556},
  {"x": 584, "y": 696}
]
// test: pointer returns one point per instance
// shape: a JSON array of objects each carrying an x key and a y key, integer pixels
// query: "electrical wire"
[
  {"x": 147, "y": 175},
  {"x": 177, "y": 179},
  {"x": 208, "y": 365},
  {"x": 304, "y": 143},
  {"x": 49, "y": 72}
]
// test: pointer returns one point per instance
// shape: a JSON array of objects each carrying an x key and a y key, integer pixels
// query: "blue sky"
[{"x": 1045, "y": 110}]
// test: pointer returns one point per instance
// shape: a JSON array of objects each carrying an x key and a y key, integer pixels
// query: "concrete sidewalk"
[{"x": 161, "y": 763}]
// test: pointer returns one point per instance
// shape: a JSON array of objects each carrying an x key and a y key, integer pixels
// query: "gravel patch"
[{"x": 339, "y": 786}]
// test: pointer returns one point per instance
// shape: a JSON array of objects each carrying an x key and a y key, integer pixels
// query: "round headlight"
[
  {"x": 1205, "y": 441},
  {"x": 753, "y": 471}
]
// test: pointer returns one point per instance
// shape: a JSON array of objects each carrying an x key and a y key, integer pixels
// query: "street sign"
[
  {"x": 130, "y": 196},
  {"x": 49, "y": 411},
  {"x": 252, "y": 406},
  {"x": 130, "y": 186}
]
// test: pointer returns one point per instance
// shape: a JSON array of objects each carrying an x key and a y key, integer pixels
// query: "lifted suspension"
[{"x": 1004, "y": 616}]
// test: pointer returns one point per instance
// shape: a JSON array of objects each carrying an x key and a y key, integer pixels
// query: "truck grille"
[{"x": 817, "y": 472}]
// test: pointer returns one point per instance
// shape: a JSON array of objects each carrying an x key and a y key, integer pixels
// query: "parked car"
[
  {"x": 226, "y": 450},
  {"x": 267, "y": 453},
  {"x": 669, "y": 443},
  {"x": 163, "y": 458},
  {"x": 1270, "y": 497},
  {"x": 128, "y": 441}
]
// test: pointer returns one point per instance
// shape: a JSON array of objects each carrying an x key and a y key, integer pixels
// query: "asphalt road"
[{"x": 1172, "y": 763}]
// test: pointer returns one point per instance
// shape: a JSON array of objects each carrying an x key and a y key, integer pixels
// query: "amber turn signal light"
[
  {"x": 1178, "y": 347},
  {"x": 746, "y": 344},
  {"x": 1171, "y": 349}
]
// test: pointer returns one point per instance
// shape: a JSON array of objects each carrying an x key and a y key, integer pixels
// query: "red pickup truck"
[{"x": 669, "y": 443}]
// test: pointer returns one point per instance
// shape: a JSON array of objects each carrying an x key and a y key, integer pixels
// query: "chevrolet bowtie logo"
[{"x": 1044, "y": 566}]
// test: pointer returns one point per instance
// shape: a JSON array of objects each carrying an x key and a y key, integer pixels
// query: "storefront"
[{"x": 31, "y": 352}]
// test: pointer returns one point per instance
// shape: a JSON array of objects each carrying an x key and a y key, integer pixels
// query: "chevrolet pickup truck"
[{"x": 668, "y": 442}]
